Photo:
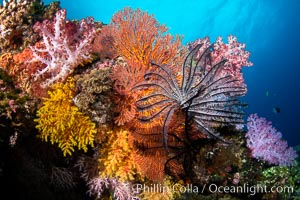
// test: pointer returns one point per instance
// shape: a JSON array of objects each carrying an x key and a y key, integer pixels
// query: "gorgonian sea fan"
[{"x": 204, "y": 92}]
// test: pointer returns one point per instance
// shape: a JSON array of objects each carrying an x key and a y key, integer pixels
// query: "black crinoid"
[{"x": 206, "y": 95}]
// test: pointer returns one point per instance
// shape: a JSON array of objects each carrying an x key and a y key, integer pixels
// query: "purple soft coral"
[
  {"x": 64, "y": 46},
  {"x": 265, "y": 142}
]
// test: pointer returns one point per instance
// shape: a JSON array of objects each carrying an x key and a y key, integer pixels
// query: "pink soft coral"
[
  {"x": 64, "y": 46},
  {"x": 234, "y": 52},
  {"x": 265, "y": 142}
]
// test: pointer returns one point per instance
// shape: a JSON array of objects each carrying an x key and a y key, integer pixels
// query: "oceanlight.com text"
[
  {"x": 213, "y": 188},
  {"x": 252, "y": 190}
]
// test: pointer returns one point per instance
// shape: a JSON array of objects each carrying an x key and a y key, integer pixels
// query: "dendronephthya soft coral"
[
  {"x": 64, "y": 46},
  {"x": 266, "y": 144}
]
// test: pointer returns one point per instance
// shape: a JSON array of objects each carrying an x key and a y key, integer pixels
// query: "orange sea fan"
[
  {"x": 138, "y": 36},
  {"x": 125, "y": 108},
  {"x": 125, "y": 75},
  {"x": 151, "y": 165},
  {"x": 140, "y": 40},
  {"x": 147, "y": 140}
]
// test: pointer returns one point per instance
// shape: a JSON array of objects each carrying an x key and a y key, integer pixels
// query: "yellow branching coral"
[
  {"x": 116, "y": 157},
  {"x": 60, "y": 121}
]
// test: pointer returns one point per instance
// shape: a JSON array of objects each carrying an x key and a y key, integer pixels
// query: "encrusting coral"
[
  {"x": 60, "y": 121},
  {"x": 93, "y": 98},
  {"x": 16, "y": 22}
]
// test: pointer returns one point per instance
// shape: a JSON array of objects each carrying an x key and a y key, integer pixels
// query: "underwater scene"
[{"x": 149, "y": 100}]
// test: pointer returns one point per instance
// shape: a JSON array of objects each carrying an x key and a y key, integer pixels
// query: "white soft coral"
[{"x": 64, "y": 46}]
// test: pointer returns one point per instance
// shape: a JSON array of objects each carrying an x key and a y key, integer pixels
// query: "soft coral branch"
[{"x": 64, "y": 46}]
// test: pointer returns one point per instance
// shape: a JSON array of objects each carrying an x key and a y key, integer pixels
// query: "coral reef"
[
  {"x": 69, "y": 128},
  {"x": 163, "y": 119}
]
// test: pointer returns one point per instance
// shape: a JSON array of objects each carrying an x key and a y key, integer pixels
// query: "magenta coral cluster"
[
  {"x": 266, "y": 144},
  {"x": 64, "y": 46}
]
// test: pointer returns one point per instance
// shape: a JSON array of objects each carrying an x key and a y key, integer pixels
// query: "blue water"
[{"x": 270, "y": 28}]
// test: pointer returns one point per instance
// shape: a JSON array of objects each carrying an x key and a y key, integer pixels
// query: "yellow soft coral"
[
  {"x": 116, "y": 157},
  {"x": 60, "y": 121}
]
